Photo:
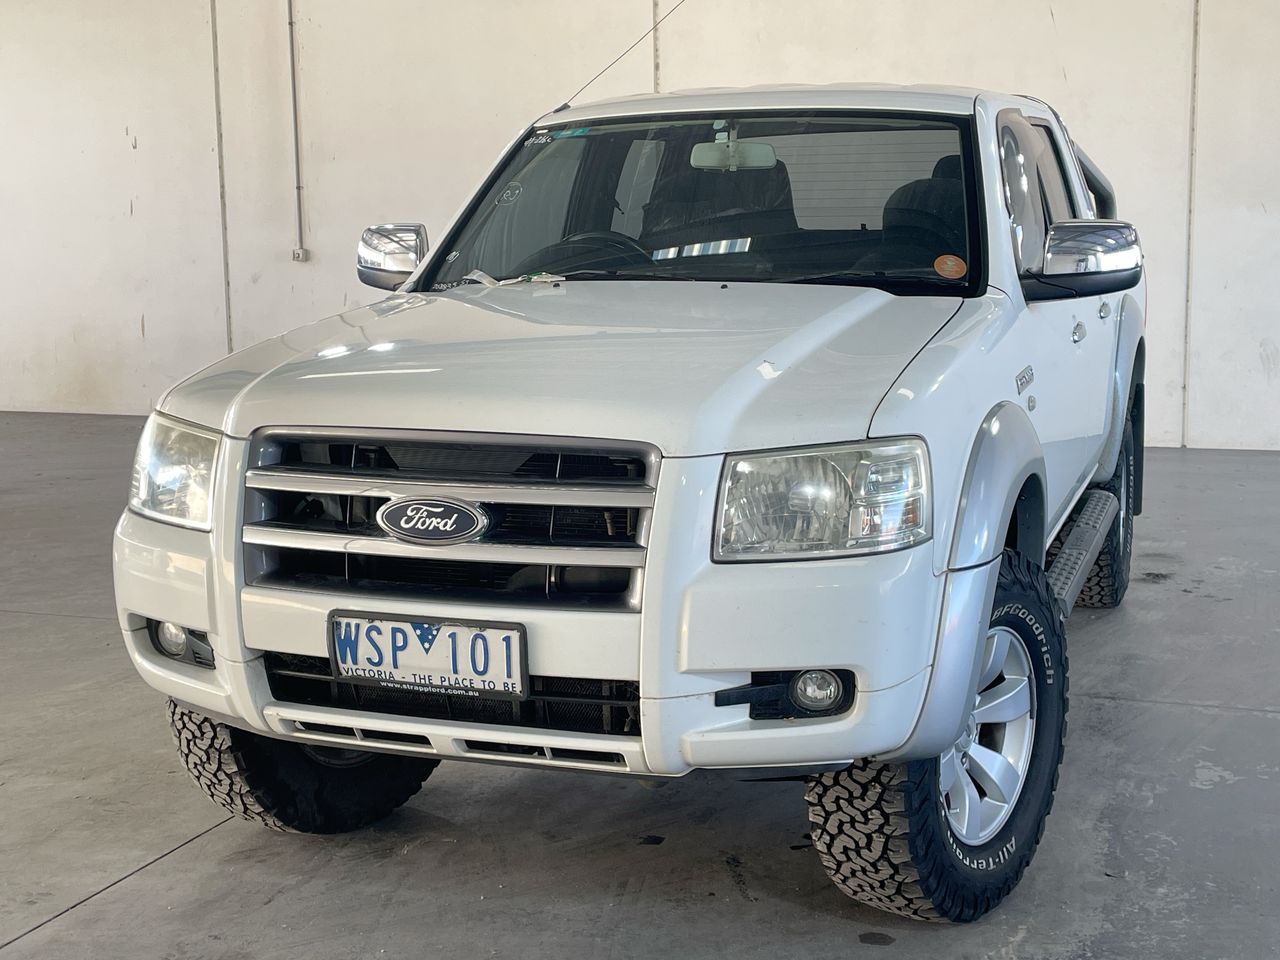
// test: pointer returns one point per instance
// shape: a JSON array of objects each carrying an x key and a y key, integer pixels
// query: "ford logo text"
[{"x": 432, "y": 520}]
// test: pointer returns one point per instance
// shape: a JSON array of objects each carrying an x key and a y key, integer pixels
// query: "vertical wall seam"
[
  {"x": 1191, "y": 222},
  {"x": 299, "y": 242},
  {"x": 222, "y": 174},
  {"x": 654, "y": 19}
]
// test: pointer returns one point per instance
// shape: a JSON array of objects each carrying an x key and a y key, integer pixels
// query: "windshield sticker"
[
  {"x": 951, "y": 267},
  {"x": 575, "y": 132},
  {"x": 539, "y": 138},
  {"x": 510, "y": 194}
]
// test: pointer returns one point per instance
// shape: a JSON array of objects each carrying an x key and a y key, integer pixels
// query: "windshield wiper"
[
  {"x": 619, "y": 274},
  {"x": 479, "y": 276},
  {"x": 863, "y": 278}
]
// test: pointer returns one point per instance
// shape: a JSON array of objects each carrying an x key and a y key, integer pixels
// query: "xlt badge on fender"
[{"x": 432, "y": 520}]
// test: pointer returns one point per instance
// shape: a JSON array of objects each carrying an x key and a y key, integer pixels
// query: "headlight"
[
  {"x": 825, "y": 501},
  {"x": 173, "y": 473}
]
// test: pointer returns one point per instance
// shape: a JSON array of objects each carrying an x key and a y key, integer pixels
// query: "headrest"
[
  {"x": 933, "y": 205},
  {"x": 693, "y": 195},
  {"x": 947, "y": 168}
]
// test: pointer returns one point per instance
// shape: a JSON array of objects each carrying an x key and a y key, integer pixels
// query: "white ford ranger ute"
[{"x": 770, "y": 430}]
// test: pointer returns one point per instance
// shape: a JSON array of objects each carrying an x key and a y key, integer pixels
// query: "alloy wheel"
[{"x": 981, "y": 776}]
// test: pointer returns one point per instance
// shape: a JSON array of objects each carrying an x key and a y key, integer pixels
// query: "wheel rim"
[{"x": 981, "y": 776}]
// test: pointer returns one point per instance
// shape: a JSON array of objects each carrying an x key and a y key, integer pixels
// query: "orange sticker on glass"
[{"x": 951, "y": 267}]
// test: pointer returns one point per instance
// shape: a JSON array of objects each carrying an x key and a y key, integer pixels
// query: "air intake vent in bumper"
[{"x": 554, "y": 703}]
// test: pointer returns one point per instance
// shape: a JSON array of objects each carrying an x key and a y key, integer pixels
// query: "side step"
[{"x": 1083, "y": 543}]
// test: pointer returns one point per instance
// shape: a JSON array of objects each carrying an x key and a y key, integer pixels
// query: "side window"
[
  {"x": 635, "y": 185},
  {"x": 1057, "y": 194},
  {"x": 1023, "y": 194}
]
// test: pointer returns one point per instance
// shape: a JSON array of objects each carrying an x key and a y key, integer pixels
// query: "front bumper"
[{"x": 702, "y": 627}]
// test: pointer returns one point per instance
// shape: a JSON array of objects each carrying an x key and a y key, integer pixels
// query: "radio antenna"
[{"x": 639, "y": 40}]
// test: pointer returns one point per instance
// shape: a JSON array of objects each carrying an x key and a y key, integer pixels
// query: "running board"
[{"x": 1081, "y": 546}]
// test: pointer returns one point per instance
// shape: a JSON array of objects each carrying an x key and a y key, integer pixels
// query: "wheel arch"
[
  {"x": 1003, "y": 493},
  {"x": 1129, "y": 371},
  {"x": 1025, "y": 532},
  {"x": 1138, "y": 419}
]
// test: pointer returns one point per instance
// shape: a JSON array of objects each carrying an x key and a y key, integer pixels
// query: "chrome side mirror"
[
  {"x": 1084, "y": 258},
  {"x": 1091, "y": 246},
  {"x": 388, "y": 254}
]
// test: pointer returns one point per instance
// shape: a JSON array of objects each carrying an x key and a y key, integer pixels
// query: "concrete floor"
[{"x": 1164, "y": 842}]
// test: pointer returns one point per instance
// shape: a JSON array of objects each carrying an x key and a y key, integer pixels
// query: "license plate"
[{"x": 431, "y": 656}]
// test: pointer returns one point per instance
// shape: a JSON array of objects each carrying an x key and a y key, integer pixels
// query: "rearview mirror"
[
  {"x": 1085, "y": 258},
  {"x": 732, "y": 155},
  {"x": 388, "y": 254}
]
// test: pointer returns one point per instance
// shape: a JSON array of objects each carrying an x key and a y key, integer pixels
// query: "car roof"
[{"x": 798, "y": 96}]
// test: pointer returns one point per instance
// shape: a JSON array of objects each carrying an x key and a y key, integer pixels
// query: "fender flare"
[
  {"x": 1129, "y": 373},
  {"x": 1005, "y": 455}
]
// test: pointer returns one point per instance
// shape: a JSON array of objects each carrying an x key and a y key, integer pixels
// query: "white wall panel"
[
  {"x": 113, "y": 246},
  {"x": 1120, "y": 73},
  {"x": 1234, "y": 381},
  {"x": 403, "y": 108},
  {"x": 110, "y": 235}
]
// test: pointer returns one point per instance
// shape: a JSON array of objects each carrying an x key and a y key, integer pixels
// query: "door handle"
[{"x": 1079, "y": 332}]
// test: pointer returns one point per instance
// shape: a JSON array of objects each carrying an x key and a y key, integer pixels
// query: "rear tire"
[
  {"x": 1108, "y": 580},
  {"x": 291, "y": 786},
  {"x": 886, "y": 833}
]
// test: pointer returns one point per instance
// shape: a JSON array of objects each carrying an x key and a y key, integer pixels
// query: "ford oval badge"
[{"x": 432, "y": 520}]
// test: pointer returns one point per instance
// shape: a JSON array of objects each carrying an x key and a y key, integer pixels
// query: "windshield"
[{"x": 870, "y": 199}]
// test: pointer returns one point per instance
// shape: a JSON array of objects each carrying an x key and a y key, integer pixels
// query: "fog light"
[
  {"x": 816, "y": 690},
  {"x": 172, "y": 639}
]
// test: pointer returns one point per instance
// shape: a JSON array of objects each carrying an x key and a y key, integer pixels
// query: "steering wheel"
[
  {"x": 573, "y": 252},
  {"x": 611, "y": 238}
]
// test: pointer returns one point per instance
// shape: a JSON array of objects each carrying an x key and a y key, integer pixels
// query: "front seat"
[
  {"x": 755, "y": 202},
  {"x": 923, "y": 220}
]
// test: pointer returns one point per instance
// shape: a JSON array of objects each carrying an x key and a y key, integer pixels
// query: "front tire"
[
  {"x": 899, "y": 837},
  {"x": 291, "y": 786}
]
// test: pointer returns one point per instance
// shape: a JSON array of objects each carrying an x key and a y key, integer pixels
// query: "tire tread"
[
  {"x": 870, "y": 823},
  {"x": 221, "y": 767}
]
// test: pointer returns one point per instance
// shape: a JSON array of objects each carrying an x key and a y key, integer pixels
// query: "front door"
[{"x": 1069, "y": 343}]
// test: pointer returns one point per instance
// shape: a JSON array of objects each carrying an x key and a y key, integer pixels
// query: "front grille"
[
  {"x": 554, "y": 703},
  {"x": 567, "y": 518}
]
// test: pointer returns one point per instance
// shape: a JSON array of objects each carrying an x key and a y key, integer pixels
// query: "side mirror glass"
[
  {"x": 1084, "y": 258},
  {"x": 388, "y": 254}
]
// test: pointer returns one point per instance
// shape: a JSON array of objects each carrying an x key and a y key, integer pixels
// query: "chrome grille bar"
[
  {"x": 266, "y": 535},
  {"x": 595, "y": 495}
]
